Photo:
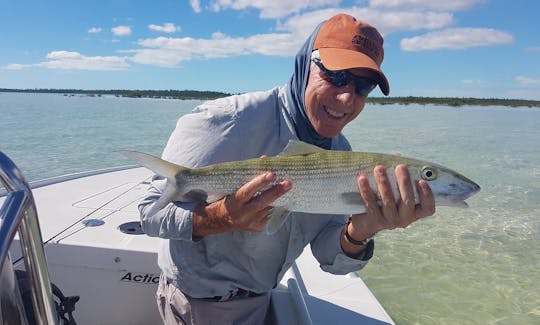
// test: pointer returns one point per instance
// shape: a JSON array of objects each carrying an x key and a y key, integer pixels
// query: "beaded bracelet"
[{"x": 354, "y": 241}]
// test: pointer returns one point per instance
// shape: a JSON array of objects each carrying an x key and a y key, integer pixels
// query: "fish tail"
[
  {"x": 157, "y": 165},
  {"x": 168, "y": 170}
]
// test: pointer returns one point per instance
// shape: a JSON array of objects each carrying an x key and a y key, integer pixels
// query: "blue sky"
[{"x": 464, "y": 48}]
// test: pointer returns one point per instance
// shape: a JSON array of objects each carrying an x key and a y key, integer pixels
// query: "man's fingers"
[
  {"x": 387, "y": 213},
  {"x": 268, "y": 196},
  {"x": 427, "y": 201},
  {"x": 368, "y": 195},
  {"x": 248, "y": 190},
  {"x": 407, "y": 206},
  {"x": 388, "y": 206}
]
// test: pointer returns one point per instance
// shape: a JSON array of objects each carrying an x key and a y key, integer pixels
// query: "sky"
[{"x": 439, "y": 48}]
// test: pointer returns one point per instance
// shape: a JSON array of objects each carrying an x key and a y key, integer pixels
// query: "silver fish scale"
[{"x": 321, "y": 182}]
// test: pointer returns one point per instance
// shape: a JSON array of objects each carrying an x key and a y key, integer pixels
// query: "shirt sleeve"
[
  {"x": 326, "y": 248},
  {"x": 216, "y": 131},
  {"x": 198, "y": 140},
  {"x": 172, "y": 222}
]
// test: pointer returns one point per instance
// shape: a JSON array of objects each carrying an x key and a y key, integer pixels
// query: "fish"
[{"x": 323, "y": 181}]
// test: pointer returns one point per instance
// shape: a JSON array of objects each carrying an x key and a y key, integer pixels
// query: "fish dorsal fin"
[{"x": 297, "y": 148}]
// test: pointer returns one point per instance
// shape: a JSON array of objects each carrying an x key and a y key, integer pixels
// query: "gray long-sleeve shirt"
[{"x": 235, "y": 128}]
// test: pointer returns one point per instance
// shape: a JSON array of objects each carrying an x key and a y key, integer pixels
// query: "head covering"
[
  {"x": 322, "y": 36},
  {"x": 296, "y": 89},
  {"x": 347, "y": 43}
]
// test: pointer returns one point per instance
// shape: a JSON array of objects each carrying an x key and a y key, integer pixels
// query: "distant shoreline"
[{"x": 208, "y": 95}]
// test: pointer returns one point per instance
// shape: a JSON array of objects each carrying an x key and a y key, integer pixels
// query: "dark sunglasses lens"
[
  {"x": 364, "y": 86},
  {"x": 340, "y": 78}
]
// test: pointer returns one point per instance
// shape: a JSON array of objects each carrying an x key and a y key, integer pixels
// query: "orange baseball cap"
[{"x": 347, "y": 43}]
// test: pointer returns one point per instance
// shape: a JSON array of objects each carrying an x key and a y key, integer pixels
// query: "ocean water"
[{"x": 479, "y": 265}]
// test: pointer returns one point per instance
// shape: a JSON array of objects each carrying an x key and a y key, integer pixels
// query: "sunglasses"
[{"x": 339, "y": 78}]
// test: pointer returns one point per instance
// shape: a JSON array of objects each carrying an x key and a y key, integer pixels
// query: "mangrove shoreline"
[{"x": 207, "y": 95}]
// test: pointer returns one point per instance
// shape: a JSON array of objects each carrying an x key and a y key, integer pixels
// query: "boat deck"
[{"x": 95, "y": 250}]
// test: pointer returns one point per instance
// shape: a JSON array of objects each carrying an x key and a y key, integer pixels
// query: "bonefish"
[{"x": 323, "y": 181}]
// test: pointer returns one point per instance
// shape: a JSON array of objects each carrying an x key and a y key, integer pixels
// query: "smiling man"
[
  {"x": 218, "y": 266},
  {"x": 348, "y": 55}
]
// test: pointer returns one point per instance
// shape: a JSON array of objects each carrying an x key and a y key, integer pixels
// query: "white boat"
[{"x": 94, "y": 249}]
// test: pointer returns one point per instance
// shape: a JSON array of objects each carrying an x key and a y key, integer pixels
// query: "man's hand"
[
  {"x": 247, "y": 209},
  {"x": 389, "y": 213}
]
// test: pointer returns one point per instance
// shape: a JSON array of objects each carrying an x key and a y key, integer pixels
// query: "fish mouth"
[
  {"x": 458, "y": 200},
  {"x": 473, "y": 189}
]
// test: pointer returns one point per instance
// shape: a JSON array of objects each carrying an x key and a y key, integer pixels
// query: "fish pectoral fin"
[
  {"x": 276, "y": 219},
  {"x": 455, "y": 204},
  {"x": 352, "y": 199},
  {"x": 213, "y": 197},
  {"x": 195, "y": 196},
  {"x": 297, "y": 148},
  {"x": 202, "y": 196}
]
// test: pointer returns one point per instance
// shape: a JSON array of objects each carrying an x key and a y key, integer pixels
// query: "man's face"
[{"x": 328, "y": 107}]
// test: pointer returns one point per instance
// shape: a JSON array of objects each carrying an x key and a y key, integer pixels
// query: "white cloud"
[
  {"x": 284, "y": 8},
  {"x": 66, "y": 60},
  {"x": 388, "y": 22},
  {"x": 195, "y": 5},
  {"x": 290, "y": 35},
  {"x": 273, "y": 8},
  {"x": 527, "y": 80},
  {"x": 287, "y": 36},
  {"x": 94, "y": 30},
  {"x": 14, "y": 66},
  {"x": 385, "y": 21},
  {"x": 121, "y": 30},
  {"x": 165, "y": 28},
  {"x": 456, "y": 38},
  {"x": 218, "y": 35},
  {"x": 438, "y": 5},
  {"x": 165, "y": 51},
  {"x": 473, "y": 82}
]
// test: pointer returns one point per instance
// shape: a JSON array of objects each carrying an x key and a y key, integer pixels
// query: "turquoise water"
[{"x": 462, "y": 266}]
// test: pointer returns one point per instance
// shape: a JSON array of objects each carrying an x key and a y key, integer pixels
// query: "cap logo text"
[{"x": 369, "y": 41}]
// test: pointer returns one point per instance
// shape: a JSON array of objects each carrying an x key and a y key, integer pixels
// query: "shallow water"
[{"x": 462, "y": 266}]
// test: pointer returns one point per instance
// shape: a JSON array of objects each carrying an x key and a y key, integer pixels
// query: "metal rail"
[{"x": 18, "y": 213}]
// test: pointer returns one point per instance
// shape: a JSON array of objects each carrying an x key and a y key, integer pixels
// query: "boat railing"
[
  {"x": 18, "y": 213},
  {"x": 297, "y": 289}
]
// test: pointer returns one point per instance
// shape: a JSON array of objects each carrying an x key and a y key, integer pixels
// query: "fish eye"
[{"x": 429, "y": 173}]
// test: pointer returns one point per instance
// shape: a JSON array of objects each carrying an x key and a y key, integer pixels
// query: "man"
[{"x": 217, "y": 264}]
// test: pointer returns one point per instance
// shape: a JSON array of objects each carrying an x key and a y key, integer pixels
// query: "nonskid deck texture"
[{"x": 95, "y": 250}]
